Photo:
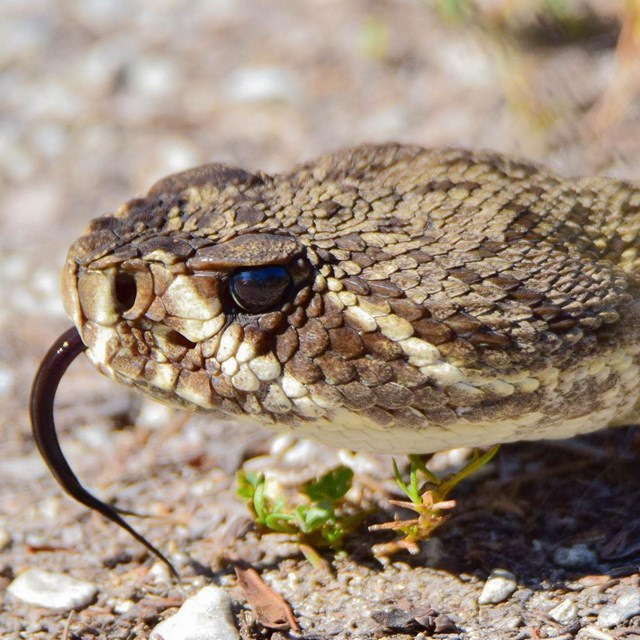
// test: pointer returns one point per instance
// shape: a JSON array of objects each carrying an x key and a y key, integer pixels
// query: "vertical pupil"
[{"x": 259, "y": 289}]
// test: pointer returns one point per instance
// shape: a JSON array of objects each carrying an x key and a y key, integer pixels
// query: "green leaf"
[
  {"x": 246, "y": 484},
  {"x": 280, "y": 522},
  {"x": 317, "y": 516},
  {"x": 422, "y": 467},
  {"x": 411, "y": 490},
  {"x": 333, "y": 535},
  {"x": 332, "y": 486},
  {"x": 260, "y": 502}
]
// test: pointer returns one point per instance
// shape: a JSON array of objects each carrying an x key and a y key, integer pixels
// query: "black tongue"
[{"x": 43, "y": 392}]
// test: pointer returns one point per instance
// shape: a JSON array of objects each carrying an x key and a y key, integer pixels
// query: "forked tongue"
[{"x": 43, "y": 392}]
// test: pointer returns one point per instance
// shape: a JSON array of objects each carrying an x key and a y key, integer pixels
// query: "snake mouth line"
[{"x": 43, "y": 391}]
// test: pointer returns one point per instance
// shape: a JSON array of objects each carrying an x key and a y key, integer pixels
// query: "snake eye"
[
  {"x": 126, "y": 290},
  {"x": 257, "y": 290}
]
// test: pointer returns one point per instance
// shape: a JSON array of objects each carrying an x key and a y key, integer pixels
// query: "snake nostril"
[{"x": 126, "y": 290}]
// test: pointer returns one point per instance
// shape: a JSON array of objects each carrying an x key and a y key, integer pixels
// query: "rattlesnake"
[{"x": 386, "y": 298}]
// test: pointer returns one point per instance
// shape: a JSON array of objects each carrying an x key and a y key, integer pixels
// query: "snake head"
[
  {"x": 181, "y": 294},
  {"x": 158, "y": 290}
]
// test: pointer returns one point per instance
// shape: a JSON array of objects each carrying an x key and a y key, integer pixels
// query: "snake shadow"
[{"x": 552, "y": 512}]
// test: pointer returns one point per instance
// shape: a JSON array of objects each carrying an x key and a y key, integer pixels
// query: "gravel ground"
[{"x": 102, "y": 97}]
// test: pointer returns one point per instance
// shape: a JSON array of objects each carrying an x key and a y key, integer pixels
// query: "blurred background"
[{"x": 99, "y": 98}]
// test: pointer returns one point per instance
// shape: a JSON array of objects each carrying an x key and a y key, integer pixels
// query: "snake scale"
[{"x": 386, "y": 298}]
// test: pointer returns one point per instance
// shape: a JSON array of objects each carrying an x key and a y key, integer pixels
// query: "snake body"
[{"x": 413, "y": 300}]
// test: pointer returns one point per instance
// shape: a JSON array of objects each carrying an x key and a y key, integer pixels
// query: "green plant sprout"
[
  {"x": 323, "y": 520},
  {"x": 326, "y": 517},
  {"x": 428, "y": 500}
]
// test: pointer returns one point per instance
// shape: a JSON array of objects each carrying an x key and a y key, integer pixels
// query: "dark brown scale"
[
  {"x": 433, "y": 331},
  {"x": 459, "y": 352},
  {"x": 313, "y": 338},
  {"x": 373, "y": 372},
  {"x": 462, "y": 323},
  {"x": 315, "y": 308},
  {"x": 297, "y": 318},
  {"x": 428, "y": 396},
  {"x": 287, "y": 344},
  {"x": 380, "y": 346},
  {"x": 393, "y": 396},
  {"x": 356, "y": 285},
  {"x": 357, "y": 396},
  {"x": 336, "y": 369},
  {"x": 351, "y": 242},
  {"x": 222, "y": 387},
  {"x": 364, "y": 261},
  {"x": 385, "y": 289},
  {"x": 179, "y": 250},
  {"x": 271, "y": 322},
  {"x": 406, "y": 375},
  {"x": 346, "y": 342},
  {"x": 249, "y": 216},
  {"x": 329, "y": 393},
  {"x": 486, "y": 338},
  {"x": 304, "y": 369}
]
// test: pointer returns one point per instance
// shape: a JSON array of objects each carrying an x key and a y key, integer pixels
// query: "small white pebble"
[
  {"x": 123, "y": 607},
  {"x": 281, "y": 443},
  {"x": 6, "y": 380},
  {"x": 154, "y": 77},
  {"x": 565, "y": 613},
  {"x": 160, "y": 573},
  {"x": 205, "y": 616},
  {"x": 593, "y": 632},
  {"x": 257, "y": 84},
  {"x": 500, "y": 585},
  {"x": 153, "y": 415},
  {"x": 361, "y": 463},
  {"x": 625, "y": 607},
  {"x": 52, "y": 590}
]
